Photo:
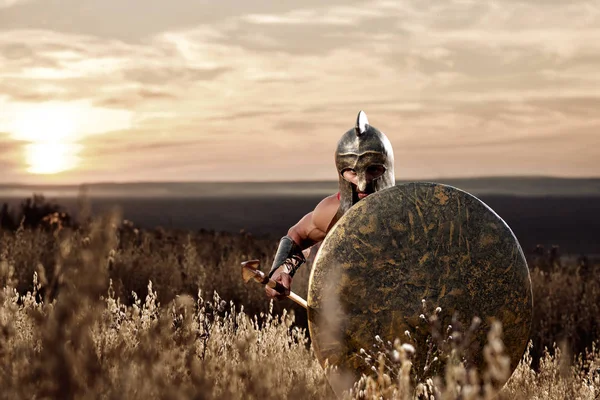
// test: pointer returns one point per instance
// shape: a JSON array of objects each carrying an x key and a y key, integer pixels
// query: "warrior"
[
  {"x": 422, "y": 243},
  {"x": 364, "y": 160}
]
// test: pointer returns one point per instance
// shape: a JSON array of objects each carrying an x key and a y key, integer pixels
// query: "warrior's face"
[
  {"x": 363, "y": 183},
  {"x": 363, "y": 171}
]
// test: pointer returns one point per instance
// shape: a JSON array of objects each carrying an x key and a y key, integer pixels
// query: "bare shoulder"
[
  {"x": 325, "y": 211},
  {"x": 313, "y": 226}
]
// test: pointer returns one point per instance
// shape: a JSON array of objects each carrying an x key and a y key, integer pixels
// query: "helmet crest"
[{"x": 362, "y": 123}]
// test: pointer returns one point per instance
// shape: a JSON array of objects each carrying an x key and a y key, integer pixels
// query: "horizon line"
[{"x": 276, "y": 181}]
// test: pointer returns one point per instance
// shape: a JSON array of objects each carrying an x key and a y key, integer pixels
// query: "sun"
[
  {"x": 50, "y": 131},
  {"x": 51, "y": 158}
]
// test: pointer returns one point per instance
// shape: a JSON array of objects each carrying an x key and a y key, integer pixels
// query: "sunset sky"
[{"x": 191, "y": 90}]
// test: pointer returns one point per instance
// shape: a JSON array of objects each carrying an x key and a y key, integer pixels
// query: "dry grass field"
[{"x": 108, "y": 311}]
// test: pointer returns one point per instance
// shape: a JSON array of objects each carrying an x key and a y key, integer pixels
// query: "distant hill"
[
  {"x": 509, "y": 186},
  {"x": 540, "y": 211}
]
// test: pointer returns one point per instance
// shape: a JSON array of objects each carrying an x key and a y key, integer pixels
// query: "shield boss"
[{"x": 414, "y": 242}]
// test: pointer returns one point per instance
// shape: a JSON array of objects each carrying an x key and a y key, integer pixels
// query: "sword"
[{"x": 250, "y": 271}]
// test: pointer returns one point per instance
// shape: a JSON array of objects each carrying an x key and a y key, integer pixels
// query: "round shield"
[{"x": 418, "y": 262}]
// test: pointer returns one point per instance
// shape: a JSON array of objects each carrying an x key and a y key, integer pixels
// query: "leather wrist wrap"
[{"x": 289, "y": 254}]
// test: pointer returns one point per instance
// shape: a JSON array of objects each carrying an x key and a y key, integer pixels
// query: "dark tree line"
[{"x": 34, "y": 212}]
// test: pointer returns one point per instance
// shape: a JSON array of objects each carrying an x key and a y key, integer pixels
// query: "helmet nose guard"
[{"x": 362, "y": 182}]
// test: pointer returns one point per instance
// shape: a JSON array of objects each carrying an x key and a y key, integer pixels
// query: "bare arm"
[{"x": 312, "y": 228}]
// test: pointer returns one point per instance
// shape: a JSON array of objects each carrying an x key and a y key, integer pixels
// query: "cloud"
[
  {"x": 399, "y": 40},
  {"x": 303, "y": 128},
  {"x": 11, "y": 3},
  {"x": 11, "y": 156},
  {"x": 169, "y": 74},
  {"x": 209, "y": 156},
  {"x": 40, "y": 66},
  {"x": 128, "y": 143},
  {"x": 279, "y": 84},
  {"x": 334, "y": 15},
  {"x": 115, "y": 19},
  {"x": 9, "y": 146}
]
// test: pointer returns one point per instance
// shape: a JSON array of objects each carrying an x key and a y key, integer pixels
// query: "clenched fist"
[{"x": 280, "y": 275}]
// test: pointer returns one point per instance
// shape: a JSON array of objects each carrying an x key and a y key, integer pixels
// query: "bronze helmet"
[{"x": 368, "y": 152}]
